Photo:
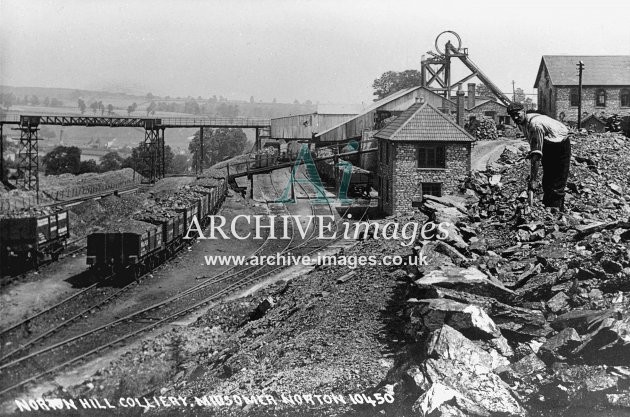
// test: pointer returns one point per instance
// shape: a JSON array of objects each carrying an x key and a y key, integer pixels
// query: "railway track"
[{"x": 83, "y": 342}]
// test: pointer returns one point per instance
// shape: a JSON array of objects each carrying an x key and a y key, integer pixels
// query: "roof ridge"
[
  {"x": 448, "y": 119},
  {"x": 405, "y": 122}
]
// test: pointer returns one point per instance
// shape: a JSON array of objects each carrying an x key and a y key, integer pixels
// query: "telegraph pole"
[
  {"x": 580, "y": 66},
  {"x": 513, "y": 92},
  {"x": 1, "y": 154}
]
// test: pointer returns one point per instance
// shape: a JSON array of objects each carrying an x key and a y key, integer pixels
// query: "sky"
[{"x": 323, "y": 51}]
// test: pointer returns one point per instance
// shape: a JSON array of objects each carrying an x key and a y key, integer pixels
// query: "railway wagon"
[
  {"x": 29, "y": 240},
  {"x": 136, "y": 243},
  {"x": 360, "y": 180},
  {"x": 156, "y": 233},
  {"x": 172, "y": 223}
]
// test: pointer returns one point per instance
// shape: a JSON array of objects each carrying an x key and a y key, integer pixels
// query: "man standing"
[{"x": 550, "y": 144}]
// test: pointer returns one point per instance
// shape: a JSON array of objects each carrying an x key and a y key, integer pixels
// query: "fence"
[
  {"x": 85, "y": 190},
  {"x": 18, "y": 202}
]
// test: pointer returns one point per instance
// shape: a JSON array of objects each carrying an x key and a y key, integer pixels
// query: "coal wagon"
[
  {"x": 27, "y": 239},
  {"x": 156, "y": 233},
  {"x": 131, "y": 244},
  {"x": 360, "y": 179}
]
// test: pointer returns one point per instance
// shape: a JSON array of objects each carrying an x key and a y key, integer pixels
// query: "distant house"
[
  {"x": 479, "y": 107},
  {"x": 594, "y": 124},
  {"x": 605, "y": 85},
  {"x": 422, "y": 151}
]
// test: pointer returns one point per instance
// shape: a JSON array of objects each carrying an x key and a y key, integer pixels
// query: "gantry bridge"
[{"x": 28, "y": 125}]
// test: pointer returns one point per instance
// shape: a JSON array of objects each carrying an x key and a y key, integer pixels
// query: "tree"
[
  {"x": 191, "y": 107},
  {"x": 82, "y": 106},
  {"x": 110, "y": 109},
  {"x": 227, "y": 110},
  {"x": 218, "y": 144},
  {"x": 139, "y": 156},
  {"x": 519, "y": 95},
  {"x": 111, "y": 161},
  {"x": 151, "y": 108},
  {"x": 181, "y": 164},
  {"x": 94, "y": 106},
  {"x": 149, "y": 96},
  {"x": 62, "y": 160},
  {"x": 47, "y": 102},
  {"x": 56, "y": 102},
  {"x": 131, "y": 109},
  {"x": 101, "y": 107},
  {"x": 88, "y": 166},
  {"x": 8, "y": 100},
  {"x": 34, "y": 100},
  {"x": 392, "y": 81}
]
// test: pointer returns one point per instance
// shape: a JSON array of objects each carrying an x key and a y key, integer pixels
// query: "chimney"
[
  {"x": 460, "y": 107},
  {"x": 472, "y": 91}
]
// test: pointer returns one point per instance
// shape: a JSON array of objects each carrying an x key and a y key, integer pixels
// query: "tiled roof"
[
  {"x": 598, "y": 69},
  {"x": 423, "y": 122}
]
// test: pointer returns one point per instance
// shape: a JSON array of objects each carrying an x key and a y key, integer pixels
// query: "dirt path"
[{"x": 487, "y": 151}]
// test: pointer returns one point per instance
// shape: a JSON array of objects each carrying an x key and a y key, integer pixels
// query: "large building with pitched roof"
[
  {"x": 422, "y": 151},
  {"x": 605, "y": 85}
]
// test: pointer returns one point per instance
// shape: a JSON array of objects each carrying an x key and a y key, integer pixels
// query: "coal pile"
[
  {"x": 524, "y": 310},
  {"x": 109, "y": 213},
  {"x": 483, "y": 129}
]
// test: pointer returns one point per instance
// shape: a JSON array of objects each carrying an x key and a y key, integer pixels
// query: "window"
[
  {"x": 624, "y": 97},
  {"x": 504, "y": 120},
  {"x": 600, "y": 98},
  {"x": 432, "y": 188},
  {"x": 574, "y": 98},
  {"x": 388, "y": 153},
  {"x": 431, "y": 157},
  {"x": 387, "y": 190}
]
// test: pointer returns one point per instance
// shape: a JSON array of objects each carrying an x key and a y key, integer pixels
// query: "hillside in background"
[{"x": 37, "y": 100}]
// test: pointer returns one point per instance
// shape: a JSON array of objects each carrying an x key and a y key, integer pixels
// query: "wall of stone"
[
  {"x": 405, "y": 177},
  {"x": 498, "y": 108},
  {"x": 613, "y": 103},
  {"x": 385, "y": 176}
]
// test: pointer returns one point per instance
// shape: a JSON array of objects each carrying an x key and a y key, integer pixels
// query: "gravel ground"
[{"x": 320, "y": 337}]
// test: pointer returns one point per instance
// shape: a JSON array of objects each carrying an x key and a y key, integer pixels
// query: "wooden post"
[
  {"x": 1, "y": 154},
  {"x": 251, "y": 187},
  {"x": 202, "y": 157},
  {"x": 580, "y": 69}
]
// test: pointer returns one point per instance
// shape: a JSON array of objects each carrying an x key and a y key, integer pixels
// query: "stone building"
[
  {"x": 594, "y": 123},
  {"x": 479, "y": 107},
  {"x": 605, "y": 86},
  {"x": 423, "y": 151}
]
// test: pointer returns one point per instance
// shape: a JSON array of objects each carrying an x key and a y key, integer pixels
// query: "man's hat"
[{"x": 514, "y": 107}]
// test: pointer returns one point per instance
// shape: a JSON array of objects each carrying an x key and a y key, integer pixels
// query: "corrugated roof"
[
  {"x": 481, "y": 103},
  {"x": 423, "y": 122},
  {"x": 335, "y": 108},
  {"x": 598, "y": 69},
  {"x": 382, "y": 102}
]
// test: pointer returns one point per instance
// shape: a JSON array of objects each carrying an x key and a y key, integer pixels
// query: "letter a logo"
[{"x": 311, "y": 177}]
